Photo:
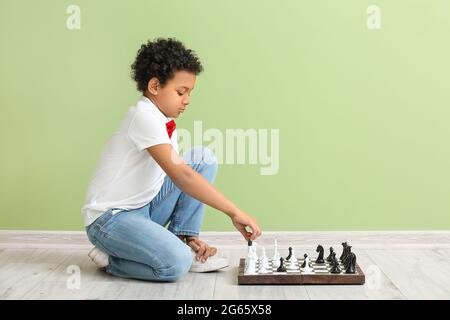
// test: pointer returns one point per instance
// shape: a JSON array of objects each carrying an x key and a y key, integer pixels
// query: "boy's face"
[{"x": 172, "y": 98}]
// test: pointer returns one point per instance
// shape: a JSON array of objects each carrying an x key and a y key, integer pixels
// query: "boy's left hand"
[{"x": 202, "y": 249}]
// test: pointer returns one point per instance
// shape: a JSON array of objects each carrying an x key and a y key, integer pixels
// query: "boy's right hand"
[{"x": 241, "y": 220}]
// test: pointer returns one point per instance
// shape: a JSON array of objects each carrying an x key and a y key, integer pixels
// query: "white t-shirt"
[{"x": 126, "y": 176}]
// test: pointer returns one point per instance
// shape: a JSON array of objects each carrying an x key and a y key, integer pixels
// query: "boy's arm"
[{"x": 193, "y": 184}]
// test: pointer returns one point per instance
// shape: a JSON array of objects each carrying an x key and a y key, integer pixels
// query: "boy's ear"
[{"x": 153, "y": 85}]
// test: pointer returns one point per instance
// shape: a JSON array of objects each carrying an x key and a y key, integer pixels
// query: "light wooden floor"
[{"x": 398, "y": 265}]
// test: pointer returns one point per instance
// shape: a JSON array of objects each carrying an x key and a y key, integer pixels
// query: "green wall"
[{"x": 363, "y": 115}]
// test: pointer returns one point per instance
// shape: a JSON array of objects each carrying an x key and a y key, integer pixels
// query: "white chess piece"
[
  {"x": 307, "y": 268},
  {"x": 293, "y": 265},
  {"x": 276, "y": 254},
  {"x": 263, "y": 255},
  {"x": 266, "y": 265},
  {"x": 293, "y": 257},
  {"x": 263, "y": 260},
  {"x": 262, "y": 270},
  {"x": 263, "y": 266},
  {"x": 276, "y": 263},
  {"x": 255, "y": 255},
  {"x": 249, "y": 254},
  {"x": 250, "y": 268}
]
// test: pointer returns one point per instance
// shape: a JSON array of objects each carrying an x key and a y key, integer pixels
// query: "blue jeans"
[{"x": 138, "y": 243}]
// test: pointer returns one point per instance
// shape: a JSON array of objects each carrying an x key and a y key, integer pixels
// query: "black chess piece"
[
  {"x": 290, "y": 254},
  {"x": 346, "y": 253},
  {"x": 304, "y": 262},
  {"x": 330, "y": 257},
  {"x": 320, "y": 257},
  {"x": 335, "y": 264},
  {"x": 347, "y": 256},
  {"x": 249, "y": 243},
  {"x": 351, "y": 264},
  {"x": 281, "y": 268},
  {"x": 344, "y": 250}
]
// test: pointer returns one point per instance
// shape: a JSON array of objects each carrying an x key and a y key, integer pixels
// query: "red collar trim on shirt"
[{"x": 170, "y": 126}]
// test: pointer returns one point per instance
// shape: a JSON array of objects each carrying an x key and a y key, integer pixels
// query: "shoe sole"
[{"x": 92, "y": 256}]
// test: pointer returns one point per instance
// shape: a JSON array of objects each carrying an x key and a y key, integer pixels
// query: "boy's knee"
[{"x": 179, "y": 264}]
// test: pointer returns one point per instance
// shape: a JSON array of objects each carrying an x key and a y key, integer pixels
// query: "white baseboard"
[{"x": 38, "y": 239}]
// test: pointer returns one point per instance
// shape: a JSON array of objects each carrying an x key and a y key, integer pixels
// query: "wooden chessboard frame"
[{"x": 300, "y": 278}]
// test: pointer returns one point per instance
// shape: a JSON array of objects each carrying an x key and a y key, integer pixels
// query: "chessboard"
[{"x": 319, "y": 275}]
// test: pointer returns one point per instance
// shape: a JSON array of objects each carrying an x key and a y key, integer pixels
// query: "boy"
[{"x": 141, "y": 184}]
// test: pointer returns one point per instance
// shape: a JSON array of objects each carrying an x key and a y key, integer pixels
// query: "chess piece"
[
  {"x": 254, "y": 245},
  {"x": 348, "y": 245},
  {"x": 345, "y": 262},
  {"x": 335, "y": 269},
  {"x": 263, "y": 255},
  {"x": 330, "y": 257},
  {"x": 292, "y": 266},
  {"x": 292, "y": 261},
  {"x": 265, "y": 264},
  {"x": 250, "y": 268},
  {"x": 263, "y": 260},
  {"x": 319, "y": 259},
  {"x": 351, "y": 264},
  {"x": 290, "y": 254},
  {"x": 276, "y": 255},
  {"x": 276, "y": 263},
  {"x": 281, "y": 268},
  {"x": 263, "y": 268},
  {"x": 344, "y": 250},
  {"x": 249, "y": 253},
  {"x": 304, "y": 260},
  {"x": 293, "y": 258},
  {"x": 306, "y": 267}
]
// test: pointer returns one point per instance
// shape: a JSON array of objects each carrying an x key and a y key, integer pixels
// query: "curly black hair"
[{"x": 161, "y": 58}]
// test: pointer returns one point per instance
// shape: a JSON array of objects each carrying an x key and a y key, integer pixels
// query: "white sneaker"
[
  {"x": 99, "y": 257},
  {"x": 211, "y": 264}
]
